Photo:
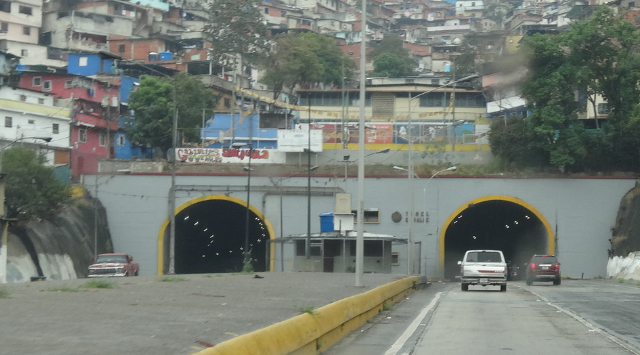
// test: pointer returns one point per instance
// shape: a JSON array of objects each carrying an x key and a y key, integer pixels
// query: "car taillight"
[
  {"x": 556, "y": 266},
  {"x": 532, "y": 265}
]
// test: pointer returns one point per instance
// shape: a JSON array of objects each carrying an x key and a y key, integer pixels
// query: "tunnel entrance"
[
  {"x": 511, "y": 226},
  {"x": 210, "y": 237}
]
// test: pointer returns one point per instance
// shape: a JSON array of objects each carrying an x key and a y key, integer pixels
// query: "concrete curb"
[{"x": 314, "y": 333}]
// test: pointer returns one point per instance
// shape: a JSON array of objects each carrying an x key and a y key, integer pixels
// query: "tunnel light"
[
  {"x": 206, "y": 229},
  {"x": 259, "y": 240},
  {"x": 454, "y": 222},
  {"x": 506, "y": 226},
  {"x": 516, "y": 222},
  {"x": 230, "y": 251},
  {"x": 460, "y": 216},
  {"x": 197, "y": 222},
  {"x": 186, "y": 217},
  {"x": 527, "y": 217},
  {"x": 474, "y": 237},
  {"x": 241, "y": 248},
  {"x": 203, "y": 255}
]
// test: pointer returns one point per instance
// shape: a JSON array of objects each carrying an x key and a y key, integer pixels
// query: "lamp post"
[
  {"x": 280, "y": 188},
  {"x": 246, "y": 255},
  {"x": 361, "y": 140},
  {"x": 4, "y": 236},
  {"x": 424, "y": 206}
]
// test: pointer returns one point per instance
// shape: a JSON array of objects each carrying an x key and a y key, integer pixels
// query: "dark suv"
[{"x": 543, "y": 268}]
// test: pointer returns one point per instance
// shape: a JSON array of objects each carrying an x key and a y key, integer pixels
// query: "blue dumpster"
[{"x": 326, "y": 222}]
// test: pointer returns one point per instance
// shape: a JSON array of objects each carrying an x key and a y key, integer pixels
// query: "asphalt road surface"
[{"x": 579, "y": 317}]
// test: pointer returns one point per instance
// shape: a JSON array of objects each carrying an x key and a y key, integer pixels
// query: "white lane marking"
[
  {"x": 393, "y": 350},
  {"x": 592, "y": 328}
]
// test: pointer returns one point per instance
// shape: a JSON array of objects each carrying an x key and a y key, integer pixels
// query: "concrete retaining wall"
[
  {"x": 314, "y": 333},
  {"x": 624, "y": 267}
]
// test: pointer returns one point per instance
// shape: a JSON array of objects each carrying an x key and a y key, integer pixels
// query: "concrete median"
[{"x": 314, "y": 332}]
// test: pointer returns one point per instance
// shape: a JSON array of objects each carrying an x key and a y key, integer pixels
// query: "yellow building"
[{"x": 398, "y": 112}]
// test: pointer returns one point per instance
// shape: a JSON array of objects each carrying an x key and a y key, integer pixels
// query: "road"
[{"x": 578, "y": 317}]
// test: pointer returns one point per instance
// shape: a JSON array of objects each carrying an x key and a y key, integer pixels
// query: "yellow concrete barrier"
[{"x": 313, "y": 333}]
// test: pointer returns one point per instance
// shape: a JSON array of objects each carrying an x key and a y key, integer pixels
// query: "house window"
[
  {"x": 227, "y": 103},
  {"x": 4, "y": 26},
  {"x": 24, "y": 52},
  {"x": 373, "y": 248},
  {"x": 25, "y": 10},
  {"x": 31, "y": 122},
  {"x": 68, "y": 84},
  {"x": 121, "y": 140},
  {"x": 26, "y": 30},
  {"x": 121, "y": 48},
  {"x": 371, "y": 215},
  {"x": 40, "y": 101},
  {"x": 46, "y": 85},
  {"x": 395, "y": 258},
  {"x": 56, "y": 128},
  {"x": 8, "y": 122},
  {"x": 83, "y": 61},
  {"x": 37, "y": 81},
  {"x": 23, "y": 97},
  {"x": 5, "y": 6},
  {"x": 266, "y": 10},
  {"x": 603, "y": 109},
  {"x": 102, "y": 139},
  {"x": 82, "y": 135}
]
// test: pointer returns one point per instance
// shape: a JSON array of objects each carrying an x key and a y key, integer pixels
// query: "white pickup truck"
[{"x": 483, "y": 267}]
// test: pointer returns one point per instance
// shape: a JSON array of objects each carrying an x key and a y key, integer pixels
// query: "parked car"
[
  {"x": 483, "y": 267},
  {"x": 544, "y": 268},
  {"x": 109, "y": 265}
]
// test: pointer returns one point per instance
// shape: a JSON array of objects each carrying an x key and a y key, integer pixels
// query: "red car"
[
  {"x": 544, "y": 268},
  {"x": 110, "y": 265}
]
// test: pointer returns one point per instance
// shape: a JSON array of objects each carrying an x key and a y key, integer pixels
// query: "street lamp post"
[
  {"x": 347, "y": 161},
  {"x": 361, "y": 140},
  {"x": 424, "y": 206},
  {"x": 280, "y": 188}
]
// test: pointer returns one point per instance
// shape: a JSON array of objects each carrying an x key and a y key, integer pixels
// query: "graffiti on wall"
[{"x": 227, "y": 155}]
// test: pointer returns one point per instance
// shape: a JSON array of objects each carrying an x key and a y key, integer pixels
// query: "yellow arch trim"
[
  {"x": 197, "y": 200},
  {"x": 551, "y": 241}
]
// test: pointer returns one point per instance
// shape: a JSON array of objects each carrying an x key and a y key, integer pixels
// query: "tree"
[
  {"x": 550, "y": 92},
  {"x": 32, "y": 189},
  {"x": 236, "y": 27},
  {"x": 389, "y": 64},
  {"x": 510, "y": 140},
  {"x": 394, "y": 44},
  {"x": 304, "y": 58},
  {"x": 152, "y": 104}
]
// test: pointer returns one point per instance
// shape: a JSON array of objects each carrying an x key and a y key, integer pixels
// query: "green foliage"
[
  {"x": 393, "y": 44},
  {"x": 596, "y": 57},
  {"x": 247, "y": 267},
  {"x": 236, "y": 27},
  {"x": 390, "y": 65},
  {"x": 98, "y": 283},
  {"x": 308, "y": 309},
  {"x": 32, "y": 189},
  {"x": 153, "y": 107},
  {"x": 304, "y": 58},
  {"x": 512, "y": 141},
  {"x": 168, "y": 278}
]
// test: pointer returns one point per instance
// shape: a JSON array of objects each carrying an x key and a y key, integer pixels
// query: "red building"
[{"x": 94, "y": 120}]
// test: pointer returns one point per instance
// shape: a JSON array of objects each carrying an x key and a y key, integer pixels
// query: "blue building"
[{"x": 224, "y": 131}]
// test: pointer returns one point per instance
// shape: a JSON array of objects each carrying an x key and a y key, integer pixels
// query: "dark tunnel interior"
[
  {"x": 210, "y": 238},
  {"x": 495, "y": 224}
]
